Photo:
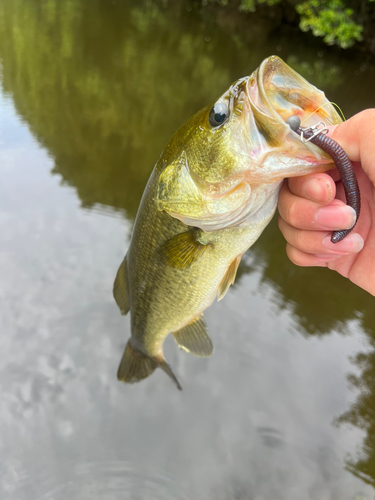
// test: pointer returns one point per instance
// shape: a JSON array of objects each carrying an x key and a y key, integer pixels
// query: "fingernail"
[
  {"x": 336, "y": 217},
  {"x": 353, "y": 243},
  {"x": 317, "y": 189}
]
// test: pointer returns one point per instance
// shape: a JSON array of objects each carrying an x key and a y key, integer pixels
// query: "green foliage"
[
  {"x": 330, "y": 19},
  {"x": 246, "y": 5},
  {"x": 338, "y": 22},
  {"x": 250, "y": 5}
]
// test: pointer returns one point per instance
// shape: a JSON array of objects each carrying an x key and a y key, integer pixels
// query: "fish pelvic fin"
[
  {"x": 136, "y": 366},
  {"x": 229, "y": 278},
  {"x": 182, "y": 250},
  {"x": 194, "y": 338},
  {"x": 120, "y": 289}
]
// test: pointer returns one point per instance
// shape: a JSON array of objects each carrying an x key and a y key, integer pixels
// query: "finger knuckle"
[
  {"x": 299, "y": 240},
  {"x": 281, "y": 223},
  {"x": 293, "y": 254},
  {"x": 294, "y": 213}
]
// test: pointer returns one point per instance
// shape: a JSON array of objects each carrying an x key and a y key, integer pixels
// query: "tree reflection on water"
[
  {"x": 103, "y": 86},
  {"x": 362, "y": 414}
]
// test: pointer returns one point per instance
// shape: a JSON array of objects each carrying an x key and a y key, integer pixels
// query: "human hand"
[{"x": 312, "y": 206}]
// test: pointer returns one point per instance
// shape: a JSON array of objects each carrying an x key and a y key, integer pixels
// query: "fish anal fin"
[
  {"x": 168, "y": 370},
  {"x": 182, "y": 250},
  {"x": 120, "y": 291},
  {"x": 228, "y": 278},
  {"x": 194, "y": 338}
]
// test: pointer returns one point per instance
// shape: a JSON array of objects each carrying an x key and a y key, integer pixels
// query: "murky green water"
[{"x": 285, "y": 408}]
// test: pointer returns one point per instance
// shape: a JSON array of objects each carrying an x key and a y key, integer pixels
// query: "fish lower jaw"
[{"x": 275, "y": 169}]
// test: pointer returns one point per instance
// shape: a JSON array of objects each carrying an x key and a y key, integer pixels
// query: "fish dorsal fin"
[
  {"x": 120, "y": 291},
  {"x": 194, "y": 338},
  {"x": 229, "y": 278},
  {"x": 182, "y": 250}
]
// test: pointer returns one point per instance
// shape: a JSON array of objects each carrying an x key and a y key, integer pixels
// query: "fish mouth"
[
  {"x": 265, "y": 147},
  {"x": 275, "y": 92}
]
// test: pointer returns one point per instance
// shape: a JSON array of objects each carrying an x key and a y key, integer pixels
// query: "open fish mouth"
[
  {"x": 262, "y": 147},
  {"x": 275, "y": 92}
]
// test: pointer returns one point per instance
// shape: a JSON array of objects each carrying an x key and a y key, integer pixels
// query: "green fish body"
[{"x": 211, "y": 194}]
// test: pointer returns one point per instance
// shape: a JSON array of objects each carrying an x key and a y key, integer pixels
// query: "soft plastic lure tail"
[{"x": 317, "y": 136}]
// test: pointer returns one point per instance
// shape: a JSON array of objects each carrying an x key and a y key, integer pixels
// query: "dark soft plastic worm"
[
  {"x": 343, "y": 164},
  {"x": 347, "y": 174}
]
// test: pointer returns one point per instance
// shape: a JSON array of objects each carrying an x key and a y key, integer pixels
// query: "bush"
[{"x": 338, "y": 22}]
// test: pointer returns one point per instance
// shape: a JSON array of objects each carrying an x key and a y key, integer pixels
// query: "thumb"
[{"x": 357, "y": 137}]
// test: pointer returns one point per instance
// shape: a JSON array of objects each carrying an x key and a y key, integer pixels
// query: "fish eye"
[{"x": 219, "y": 114}]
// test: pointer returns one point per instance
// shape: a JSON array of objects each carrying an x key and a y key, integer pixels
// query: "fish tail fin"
[{"x": 136, "y": 366}]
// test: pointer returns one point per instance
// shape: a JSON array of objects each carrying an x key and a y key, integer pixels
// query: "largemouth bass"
[{"x": 211, "y": 194}]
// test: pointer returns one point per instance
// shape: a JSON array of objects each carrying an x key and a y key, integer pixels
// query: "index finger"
[{"x": 318, "y": 187}]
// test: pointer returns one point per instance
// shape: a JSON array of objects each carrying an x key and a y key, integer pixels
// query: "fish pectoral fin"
[
  {"x": 182, "y": 250},
  {"x": 229, "y": 278},
  {"x": 120, "y": 291},
  {"x": 194, "y": 338}
]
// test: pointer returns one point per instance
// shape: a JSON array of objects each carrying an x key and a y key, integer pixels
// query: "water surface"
[{"x": 285, "y": 408}]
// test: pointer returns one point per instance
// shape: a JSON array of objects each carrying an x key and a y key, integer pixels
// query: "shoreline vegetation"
[{"x": 341, "y": 23}]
